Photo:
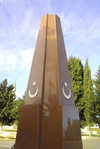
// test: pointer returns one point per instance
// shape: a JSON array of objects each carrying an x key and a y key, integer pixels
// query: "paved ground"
[
  {"x": 88, "y": 143},
  {"x": 91, "y": 142},
  {"x": 6, "y": 143}
]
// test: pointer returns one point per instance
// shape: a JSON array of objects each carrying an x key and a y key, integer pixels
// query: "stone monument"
[{"x": 49, "y": 118}]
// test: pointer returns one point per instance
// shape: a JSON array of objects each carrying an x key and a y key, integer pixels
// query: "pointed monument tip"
[{"x": 52, "y": 14}]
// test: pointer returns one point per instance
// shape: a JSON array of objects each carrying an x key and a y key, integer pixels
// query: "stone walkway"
[
  {"x": 91, "y": 142},
  {"x": 88, "y": 143},
  {"x": 6, "y": 143}
]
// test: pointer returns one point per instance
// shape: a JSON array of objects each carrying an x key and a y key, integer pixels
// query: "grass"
[
  {"x": 96, "y": 129},
  {"x": 10, "y": 130},
  {"x": 91, "y": 135}
]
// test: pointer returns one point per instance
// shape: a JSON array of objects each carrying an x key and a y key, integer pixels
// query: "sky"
[{"x": 19, "y": 26}]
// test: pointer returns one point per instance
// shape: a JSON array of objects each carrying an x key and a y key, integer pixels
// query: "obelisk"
[{"x": 49, "y": 118}]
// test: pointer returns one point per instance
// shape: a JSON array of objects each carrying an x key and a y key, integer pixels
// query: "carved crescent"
[
  {"x": 33, "y": 95},
  {"x": 66, "y": 96}
]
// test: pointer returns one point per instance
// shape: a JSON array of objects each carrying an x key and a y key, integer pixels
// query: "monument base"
[
  {"x": 28, "y": 128},
  {"x": 51, "y": 130},
  {"x": 71, "y": 128},
  {"x": 72, "y": 145},
  {"x": 39, "y": 127}
]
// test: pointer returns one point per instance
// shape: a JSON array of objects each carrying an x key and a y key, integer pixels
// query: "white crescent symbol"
[
  {"x": 66, "y": 96},
  {"x": 33, "y": 95}
]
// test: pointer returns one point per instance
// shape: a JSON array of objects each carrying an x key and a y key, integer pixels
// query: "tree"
[
  {"x": 16, "y": 108},
  {"x": 7, "y": 97},
  {"x": 88, "y": 95},
  {"x": 96, "y": 102},
  {"x": 76, "y": 73}
]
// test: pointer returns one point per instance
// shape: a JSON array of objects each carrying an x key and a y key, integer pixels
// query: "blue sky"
[{"x": 19, "y": 25}]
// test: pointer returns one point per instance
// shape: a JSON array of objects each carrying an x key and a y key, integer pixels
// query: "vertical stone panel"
[
  {"x": 51, "y": 91},
  {"x": 51, "y": 129},
  {"x": 35, "y": 83},
  {"x": 64, "y": 77},
  {"x": 70, "y": 119}
]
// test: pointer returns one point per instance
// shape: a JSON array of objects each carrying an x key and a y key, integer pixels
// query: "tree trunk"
[
  {"x": 89, "y": 128},
  {"x": 1, "y": 127}
]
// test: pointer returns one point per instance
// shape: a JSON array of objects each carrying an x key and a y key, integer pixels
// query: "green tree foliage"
[
  {"x": 96, "y": 102},
  {"x": 88, "y": 95},
  {"x": 7, "y": 97},
  {"x": 76, "y": 73},
  {"x": 16, "y": 108}
]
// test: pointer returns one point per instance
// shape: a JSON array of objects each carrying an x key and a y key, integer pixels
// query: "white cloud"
[
  {"x": 15, "y": 60},
  {"x": 26, "y": 58},
  {"x": 82, "y": 30},
  {"x": 20, "y": 92},
  {"x": 11, "y": 60}
]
